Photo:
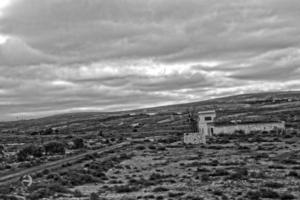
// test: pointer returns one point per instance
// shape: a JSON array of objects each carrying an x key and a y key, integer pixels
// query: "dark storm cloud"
[{"x": 68, "y": 55}]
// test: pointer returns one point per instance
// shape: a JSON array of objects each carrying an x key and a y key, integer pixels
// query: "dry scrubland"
[
  {"x": 258, "y": 166},
  {"x": 155, "y": 164}
]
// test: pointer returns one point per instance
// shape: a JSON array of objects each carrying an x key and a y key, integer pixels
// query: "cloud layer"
[{"x": 78, "y": 55}]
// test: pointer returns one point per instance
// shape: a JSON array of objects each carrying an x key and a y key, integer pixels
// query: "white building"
[
  {"x": 208, "y": 126},
  {"x": 206, "y": 117}
]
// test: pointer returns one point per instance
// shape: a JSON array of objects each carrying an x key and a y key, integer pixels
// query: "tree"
[
  {"x": 31, "y": 150},
  {"x": 48, "y": 131},
  {"x": 54, "y": 148},
  {"x": 193, "y": 119}
]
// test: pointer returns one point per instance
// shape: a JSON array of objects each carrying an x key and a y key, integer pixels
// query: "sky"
[{"x": 59, "y": 56}]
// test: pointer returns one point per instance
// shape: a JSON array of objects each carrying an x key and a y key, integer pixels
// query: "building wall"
[
  {"x": 247, "y": 128},
  {"x": 204, "y": 118},
  {"x": 193, "y": 138}
]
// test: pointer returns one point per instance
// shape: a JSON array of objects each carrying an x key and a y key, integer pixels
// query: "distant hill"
[{"x": 280, "y": 105}]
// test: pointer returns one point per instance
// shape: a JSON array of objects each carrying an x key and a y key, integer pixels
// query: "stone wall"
[
  {"x": 193, "y": 138},
  {"x": 247, "y": 128}
]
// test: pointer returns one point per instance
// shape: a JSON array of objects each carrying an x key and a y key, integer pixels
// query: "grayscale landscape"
[{"x": 149, "y": 100}]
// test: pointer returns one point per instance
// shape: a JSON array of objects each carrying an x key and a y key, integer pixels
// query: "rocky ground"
[{"x": 257, "y": 166}]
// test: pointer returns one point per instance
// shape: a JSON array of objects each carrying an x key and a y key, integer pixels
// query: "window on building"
[{"x": 207, "y": 118}]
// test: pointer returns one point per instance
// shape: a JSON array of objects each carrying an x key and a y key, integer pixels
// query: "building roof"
[
  {"x": 207, "y": 112},
  {"x": 240, "y": 122}
]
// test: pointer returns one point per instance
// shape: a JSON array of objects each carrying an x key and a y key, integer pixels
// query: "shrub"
[
  {"x": 261, "y": 155},
  {"x": 220, "y": 172},
  {"x": 175, "y": 194},
  {"x": 202, "y": 169},
  {"x": 124, "y": 156},
  {"x": 294, "y": 174},
  {"x": 290, "y": 161},
  {"x": 6, "y": 189},
  {"x": 54, "y": 148},
  {"x": 204, "y": 177},
  {"x": 8, "y": 197},
  {"x": 152, "y": 147},
  {"x": 240, "y": 173},
  {"x": 287, "y": 196},
  {"x": 159, "y": 198},
  {"x": 39, "y": 194},
  {"x": 46, "y": 171},
  {"x": 160, "y": 189},
  {"x": 125, "y": 188},
  {"x": 161, "y": 148},
  {"x": 156, "y": 176},
  {"x": 268, "y": 193},
  {"x": 45, "y": 190},
  {"x": 31, "y": 150},
  {"x": 218, "y": 192},
  {"x": 190, "y": 197},
  {"x": 258, "y": 174},
  {"x": 78, "y": 143},
  {"x": 273, "y": 185},
  {"x": 94, "y": 196},
  {"x": 253, "y": 195},
  {"x": 140, "y": 147},
  {"x": 215, "y": 163}
]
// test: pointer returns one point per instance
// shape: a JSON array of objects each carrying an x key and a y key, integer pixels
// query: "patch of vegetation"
[
  {"x": 160, "y": 189},
  {"x": 273, "y": 185},
  {"x": 54, "y": 148},
  {"x": 39, "y": 191},
  {"x": 30, "y": 150}
]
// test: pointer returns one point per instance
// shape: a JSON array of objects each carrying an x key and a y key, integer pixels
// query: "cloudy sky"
[{"x": 104, "y": 55}]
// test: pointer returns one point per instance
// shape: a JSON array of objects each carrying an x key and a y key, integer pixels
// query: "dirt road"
[{"x": 4, "y": 180}]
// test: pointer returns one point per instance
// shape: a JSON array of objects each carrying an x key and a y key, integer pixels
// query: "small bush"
[
  {"x": 156, "y": 176},
  {"x": 290, "y": 161},
  {"x": 152, "y": 147},
  {"x": 78, "y": 143},
  {"x": 273, "y": 185},
  {"x": 140, "y": 147},
  {"x": 54, "y": 148},
  {"x": 239, "y": 174},
  {"x": 220, "y": 172},
  {"x": 294, "y": 174},
  {"x": 258, "y": 174},
  {"x": 39, "y": 191},
  {"x": 31, "y": 150},
  {"x": 268, "y": 193},
  {"x": 253, "y": 195},
  {"x": 159, "y": 198},
  {"x": 287, "y": 196},
  {"x": 175, "y": 194},
  {"x": 125, "y": 188},
  {"x": 77, "y": 193},
  {"x": 204, "y": 177},
  {"x": 218, "y": 192},
  {"x": 8, "y": 197},
  {"x": 161, "y": 148},
  {"x": 94, "y": 196},
  {"x": 46, "y": 171},
  {"x": 160, "y": 189}
]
